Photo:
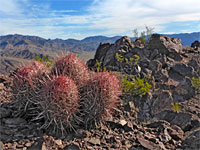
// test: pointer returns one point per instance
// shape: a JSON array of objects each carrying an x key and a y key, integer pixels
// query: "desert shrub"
[
  {"x": 196, "y": 83},
  {"x": 176, "y": 107},
  {"x": 131, "y": 61},
  {"x": 131, "y": 84},
  {"x": 60, "y": 102},
  {"x": 44, "y": 60},
  {"x": 125, "y": 63},
  {"x": 99, "y": 67},
  {"x": 99, "y": 97},
  {"x": 135, "y": 86},
  {"x": 120, "y": 58},
  {"x": 26, "y": 86},
  {"x": 73, "y": 67},
  {"x": 144, "y": 35}
]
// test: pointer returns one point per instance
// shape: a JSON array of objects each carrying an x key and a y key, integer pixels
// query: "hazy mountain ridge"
[
  {"x": 22, "y": 42},
  {"x": 186, "y": 38},
  {"x": 20, "y": 48}
]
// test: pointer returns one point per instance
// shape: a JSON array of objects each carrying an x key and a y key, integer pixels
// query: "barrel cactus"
[
  {"x": 26, "y": 86},
  {"x": 60, "y": 102},
  {"x": 99, "y": 97},
  {"x": 73, "y": 67}
]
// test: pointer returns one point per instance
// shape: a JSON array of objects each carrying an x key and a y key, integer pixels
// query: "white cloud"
[
  {"x": 105, "y": 17},
  {"x": 9, "y": 7},
  {"x": 120, "y": 16}
]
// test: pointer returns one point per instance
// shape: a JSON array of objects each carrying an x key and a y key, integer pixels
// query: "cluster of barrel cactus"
[{"x": 66, "y": 96}]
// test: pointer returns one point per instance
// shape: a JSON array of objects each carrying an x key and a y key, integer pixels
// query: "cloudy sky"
[{"x": 81, "y": 18}]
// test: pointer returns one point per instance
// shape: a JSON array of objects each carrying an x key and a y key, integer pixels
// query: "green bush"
[
  {"x": 45, "y": 60},
  {"x": 131, "y": 84},
  {"x": 196, "y": 83},
  {"x": 136, "y": 86},
  {"x": 131, "y": 61}
]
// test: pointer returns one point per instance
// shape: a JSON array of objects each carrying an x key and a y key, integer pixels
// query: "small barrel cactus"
[
  {"x": 60, "y": 102},
  {"x": 25, "y": 87},
  {"x": 99, "y": 97},
  {"x": 73, "y": 67}
]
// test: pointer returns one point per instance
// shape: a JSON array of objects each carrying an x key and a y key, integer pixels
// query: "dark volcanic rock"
[
  {"x": 106, "y": 52},
  {"x": 183, "y": 69},
  {"x": 101, "y": 51},
  {"x": 192, "y": 141},
  {"x": 195, "y": 45},
  {"x": 183, "y": 120},
  {"x": 184, "y": 91},
  {"x": 162, "y": 100},
  {"x": 4, "y": 112},
  {"x": 166, "y": 45}
]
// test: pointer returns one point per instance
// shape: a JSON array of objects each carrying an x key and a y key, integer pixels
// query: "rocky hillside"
[
  {"x": 27, "y": 44},
  {"x": 170, "y": 68},
  {"x": 165, "y": 118},
  {"x": 17, "y": 49}
]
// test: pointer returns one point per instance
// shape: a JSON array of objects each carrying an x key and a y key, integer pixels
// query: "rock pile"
[
  {"x": 164, "y": 59},
  {"x": 170, "y": 66}
]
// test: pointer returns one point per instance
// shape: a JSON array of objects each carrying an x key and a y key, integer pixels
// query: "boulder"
[
  {"x": 155, "y": 66},
  {"x": 101, "y": 51},
  {"x": 183, "y": 69},
  {"x": 123, "y": 45},
  {"x": 166, "y": 45},
  {"x": 192, "y": 141},
  {"x": 162, "y": 100},
  {"x": 195, "y": 44},
  {"x": 184, "y": 120},
  {"x": 184, "y": 91}
]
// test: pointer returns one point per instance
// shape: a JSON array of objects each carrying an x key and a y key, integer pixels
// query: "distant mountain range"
[
  {"x": 186, "y": 38},
  {"x": 16, "y": 48}
]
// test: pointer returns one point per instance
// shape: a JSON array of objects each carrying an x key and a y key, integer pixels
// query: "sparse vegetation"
[
  {"x": 196, "y": 83},
  {"x": 130, "y": 61},
  {"x": 144, "y": 35},
  {"x": 131, "y": 84},
  {"x": 136, "y": 86},
  {"x": 176, "y": 107},
  {"x": 45, "y": 60},
  {"x": 98, "y": 65}
]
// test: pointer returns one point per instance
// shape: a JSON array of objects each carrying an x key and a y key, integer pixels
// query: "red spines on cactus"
[
  {"x": 29, "y": 73},
  {"x": 73, "y": 67},
  {"x": 99, "y": 97},
  {"x": 61, "y": 99},
  {"x": 110, "y": 88},
  {"x": 26, "y": 87}
]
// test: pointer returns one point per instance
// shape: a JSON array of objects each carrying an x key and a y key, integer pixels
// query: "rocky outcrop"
[
  {"x": 196, "y": 45},
  {"x": 172, "y": 47},
  {"x": 170, "y": 66}
]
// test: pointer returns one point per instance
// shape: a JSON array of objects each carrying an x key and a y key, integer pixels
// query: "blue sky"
[{"x": 81, "y": 18}]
